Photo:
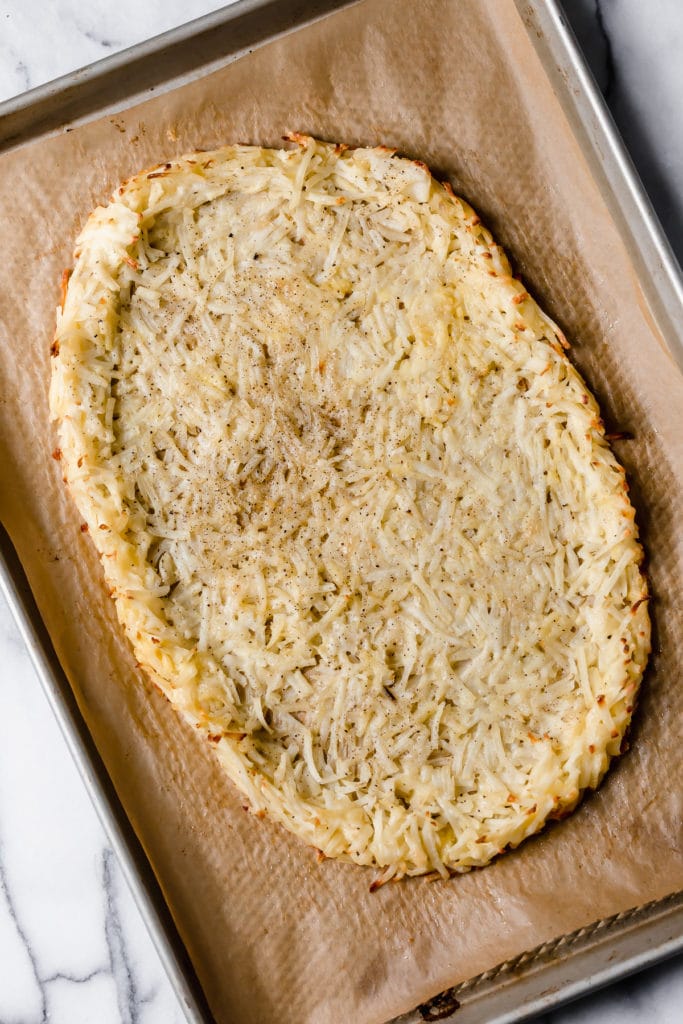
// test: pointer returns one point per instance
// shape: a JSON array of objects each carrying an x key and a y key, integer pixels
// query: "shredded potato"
[{"x": 355, "y": 505}]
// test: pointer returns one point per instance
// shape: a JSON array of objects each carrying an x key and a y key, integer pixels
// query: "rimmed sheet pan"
[{"x": 502, "y": 105}]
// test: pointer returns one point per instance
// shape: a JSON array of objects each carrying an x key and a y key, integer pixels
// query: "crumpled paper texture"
[{"x": 276, "y": 937}]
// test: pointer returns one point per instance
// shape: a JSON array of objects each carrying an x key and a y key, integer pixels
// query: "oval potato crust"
[{"x": 355, "y": 506}]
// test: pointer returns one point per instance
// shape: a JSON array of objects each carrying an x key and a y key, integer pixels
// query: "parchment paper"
[{"x": 275, "y": 936}]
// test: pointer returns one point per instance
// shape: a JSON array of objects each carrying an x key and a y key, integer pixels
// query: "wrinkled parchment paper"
[{"x": 275, "y": 936}]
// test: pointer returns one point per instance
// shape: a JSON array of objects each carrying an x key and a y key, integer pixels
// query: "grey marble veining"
[
  {"x": 72, "y": 945},
  {"x": 73, "y": 949}
]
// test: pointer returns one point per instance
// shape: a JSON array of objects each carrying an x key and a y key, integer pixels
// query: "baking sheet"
[{"x": 274, "y": 935}]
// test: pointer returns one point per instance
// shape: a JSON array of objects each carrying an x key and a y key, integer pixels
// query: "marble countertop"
[{"x": 73, "y": 949}]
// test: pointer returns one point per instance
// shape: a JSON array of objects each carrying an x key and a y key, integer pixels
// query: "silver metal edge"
[
  {"x": 155, "y": 65},
  {"x": 42, "y": 110},
  {"x": 562, "y": 969},
  {"x": 131, "y": 857},
  {"x": 610, "y": 164}
]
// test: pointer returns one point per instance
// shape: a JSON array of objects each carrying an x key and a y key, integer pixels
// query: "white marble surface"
[{"x": 73, "y": 949}]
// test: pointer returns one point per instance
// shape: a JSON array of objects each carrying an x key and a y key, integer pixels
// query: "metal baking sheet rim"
[{"x": 570, "y": 965}]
